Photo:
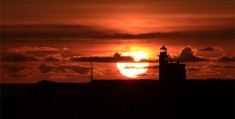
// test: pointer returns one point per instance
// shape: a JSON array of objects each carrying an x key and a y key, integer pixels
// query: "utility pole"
[{"x": 91, "y": 71}]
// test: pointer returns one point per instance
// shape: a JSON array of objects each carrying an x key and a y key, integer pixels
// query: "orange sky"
[
  {"x": 33, "y": 31},
  {"x": 127, "y": 16}
]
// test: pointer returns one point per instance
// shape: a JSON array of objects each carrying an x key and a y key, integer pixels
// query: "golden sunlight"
[{"x": 136, "y": 68}]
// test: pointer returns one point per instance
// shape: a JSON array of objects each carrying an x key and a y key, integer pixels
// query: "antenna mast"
[{"x": 91, "y": 71}]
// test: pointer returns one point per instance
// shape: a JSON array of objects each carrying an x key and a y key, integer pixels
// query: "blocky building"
[{"x": 170, "y": 71}]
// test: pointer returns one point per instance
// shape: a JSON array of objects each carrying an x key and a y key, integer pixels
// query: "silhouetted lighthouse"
[
  {"x": 170, "y": 71},
  {"x": 163, "y": 57}
]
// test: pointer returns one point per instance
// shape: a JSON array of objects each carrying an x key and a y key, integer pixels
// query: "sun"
[{"x": 136, "y": 68}]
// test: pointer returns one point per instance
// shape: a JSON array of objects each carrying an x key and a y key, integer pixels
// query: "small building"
[{"x": 170, "y": 71}]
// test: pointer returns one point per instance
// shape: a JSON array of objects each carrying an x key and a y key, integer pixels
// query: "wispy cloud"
[{"x": 226, "y": 59}]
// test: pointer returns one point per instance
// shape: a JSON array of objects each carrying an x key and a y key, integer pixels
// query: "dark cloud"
[
  {"x": 212, "y": 69},
  {"x": 229, "y": 67},
  {"x": 153, "y": 67},
  {"x": 211, "y": 49},
  {"x": 46, "y": 68},
  {"x": 147, "y": 67},
  {"x": 209, "y": 72},
  {"x": 33, "y": 50},
  {"x": 16, "y": 68},
  {"x": 53, "y": 58},
  {"x": 94, "y": 59},
  {"x": 58, "y": 32},
  {"x": 48, "y": 54},
  {"x": 209, "y": 34},
  {"x": 226, "y": 59},
  {"x": 134, "y": 67},
  {"x": 204, "y": 70},
  {"x": 219, "y": 66},
  {"x": 116, "y": 58},
  {"x": 187, "y": 54},
  {"x": 53, "y": 31},
  {"x": 192, "y": 68},
  {"x": 58, "y": 76},
  {"x": 154, "y": 74},
  {"x": 131, "y": 67},
  {"x": 214, "y": 35},
  {"x": 17, "y": 75},
  {"x": 18, "y": 57},
  {"x": 213, "y": 66},
  {"x": 143, "y": 74},
  {"x": 76, "y": 68},
  {"x": 38, "y": 51}
]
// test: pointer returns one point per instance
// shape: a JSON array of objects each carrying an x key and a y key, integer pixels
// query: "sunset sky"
[{"x": 40, "y": 38}]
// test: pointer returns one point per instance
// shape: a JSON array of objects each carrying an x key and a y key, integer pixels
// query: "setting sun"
[{"x": 136, "y": 68}]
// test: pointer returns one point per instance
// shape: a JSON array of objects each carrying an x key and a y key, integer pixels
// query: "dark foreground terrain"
[{"x": 121, "y": 99}]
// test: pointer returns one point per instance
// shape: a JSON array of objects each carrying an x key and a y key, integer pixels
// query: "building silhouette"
[{"x": 170, "y": 71}]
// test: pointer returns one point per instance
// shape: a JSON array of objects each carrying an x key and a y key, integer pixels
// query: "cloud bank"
[{"x": 187, "y": 54}]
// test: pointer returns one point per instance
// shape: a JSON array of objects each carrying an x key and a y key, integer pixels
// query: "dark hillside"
[{"x": 123, "y": 99}]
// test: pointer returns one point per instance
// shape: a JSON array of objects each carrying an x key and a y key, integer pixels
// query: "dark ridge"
[{"x": 191, "y": 99}]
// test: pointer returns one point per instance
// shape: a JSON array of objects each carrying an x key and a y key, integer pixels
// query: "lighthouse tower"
[
  {"x": 170, "y": 71},
  {"x": 163, "y": 61}
]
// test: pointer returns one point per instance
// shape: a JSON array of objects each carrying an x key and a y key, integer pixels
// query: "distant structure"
[
  {"x": 91, "y": 71},
  {"x": 170, "y": 71}
]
